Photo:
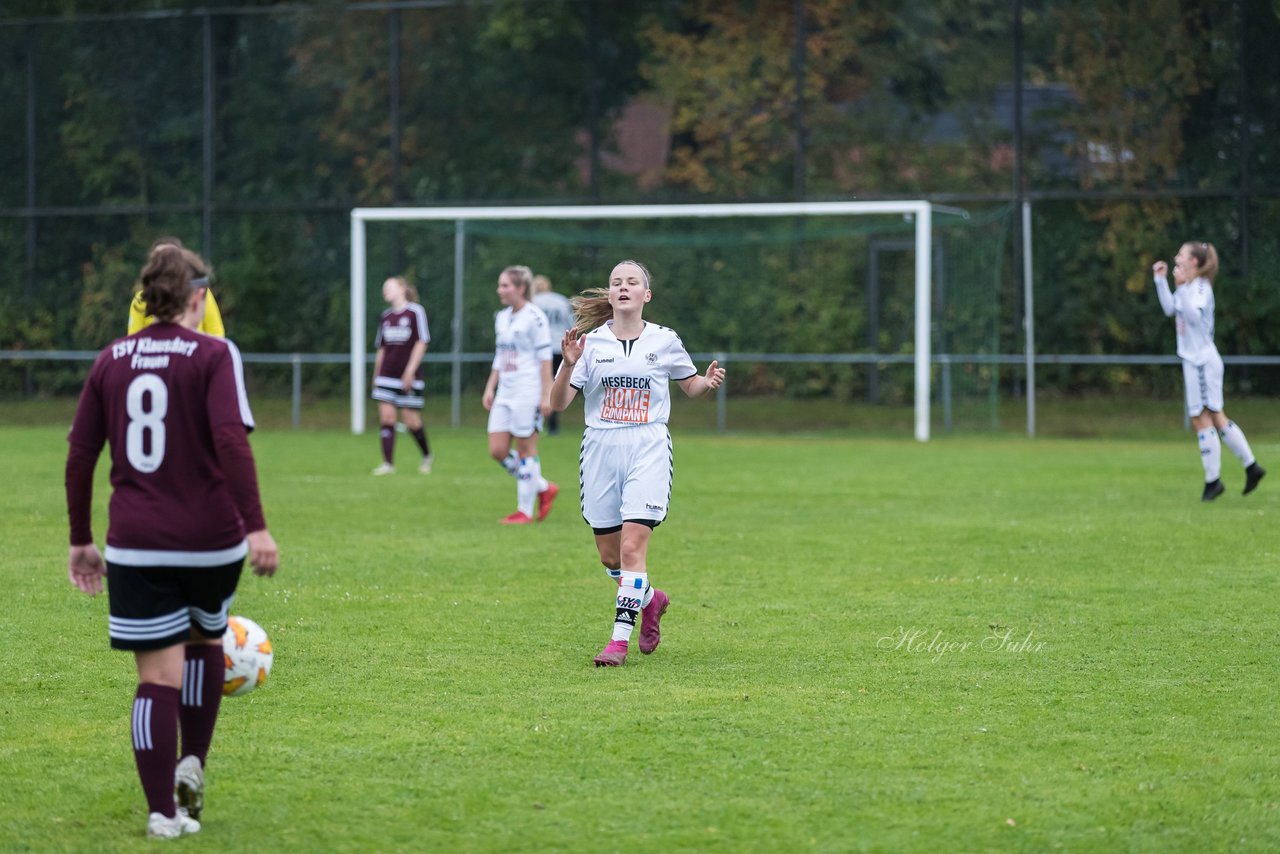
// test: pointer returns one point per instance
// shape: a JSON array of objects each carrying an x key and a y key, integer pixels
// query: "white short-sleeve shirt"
[
  {"x": 523, "y": 344},
  {"x": 627, "y": 383}
]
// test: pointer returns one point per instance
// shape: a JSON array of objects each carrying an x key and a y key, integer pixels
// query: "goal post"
[{"x": 921, "y": 213}]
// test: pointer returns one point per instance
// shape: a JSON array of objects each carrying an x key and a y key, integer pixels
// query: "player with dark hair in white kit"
[
  {"x": 184, "y": 514},
  {"x": 1193, "y": 270},
  {"x": 517, "y": 394},
  {"x": 623, "y": 366},
  {"x": 397, "y": 371}
]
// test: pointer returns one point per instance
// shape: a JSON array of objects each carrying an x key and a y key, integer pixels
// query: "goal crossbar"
[{"x": 921, "y": 211}]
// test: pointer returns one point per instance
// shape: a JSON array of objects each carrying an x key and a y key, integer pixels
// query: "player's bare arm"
[
  {"x": 264, "y": 556},
  {"x": 85, "y": 569},
  {"x": 411, "y": 370},
  {"x": 698, "y": 385},
  {"x": 490, "y": 389},
  {"x": 562, "y": 393}
]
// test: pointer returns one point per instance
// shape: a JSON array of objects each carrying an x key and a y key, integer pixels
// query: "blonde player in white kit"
[
  {"x": 623, "y": 366},
  {"x": 517, "y": 394},
  {"x": 1193, "y": 270}
]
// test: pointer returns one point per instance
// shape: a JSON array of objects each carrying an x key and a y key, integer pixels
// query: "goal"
[{"x": 461, "y": 221}]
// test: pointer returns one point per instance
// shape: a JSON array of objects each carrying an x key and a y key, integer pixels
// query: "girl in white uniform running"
[
  {"x": 517, "y": 394},
  {"x": 623, "y": 366},
  {"x": 1193, "y": 270}
]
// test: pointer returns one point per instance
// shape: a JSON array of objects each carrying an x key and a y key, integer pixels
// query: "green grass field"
[{"x": 982, "y": 643}]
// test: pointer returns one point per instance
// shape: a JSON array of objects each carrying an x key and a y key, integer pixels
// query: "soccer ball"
[{"x": 247, "y": 651}]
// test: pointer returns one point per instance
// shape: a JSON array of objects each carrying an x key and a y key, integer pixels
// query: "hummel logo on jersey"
[{"x": 604, "y": 361}]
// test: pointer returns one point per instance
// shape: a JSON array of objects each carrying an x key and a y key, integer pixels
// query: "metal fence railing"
[{"x": 945, "y": 362}]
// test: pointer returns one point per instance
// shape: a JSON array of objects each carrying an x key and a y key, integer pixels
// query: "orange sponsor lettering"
[{"x": 626, "y": 405}]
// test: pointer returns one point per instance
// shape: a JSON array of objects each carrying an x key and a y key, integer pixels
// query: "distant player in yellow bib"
[{"x": 210, "y": 325}]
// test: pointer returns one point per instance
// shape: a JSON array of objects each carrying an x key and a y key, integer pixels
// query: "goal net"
[{"x": 825, "y": 299}]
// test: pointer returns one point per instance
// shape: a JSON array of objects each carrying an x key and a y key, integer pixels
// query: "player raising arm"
[
  {"x": 184, "y": 514},
  {"x": 1192, "y": 305},
  {"x": 623, "y": 366}
]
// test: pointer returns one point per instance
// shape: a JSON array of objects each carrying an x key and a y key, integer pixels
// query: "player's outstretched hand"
[
  {"x": 714, "y": 375},
  {"x": 1160, "y": 268},
  {"x": 85, "y": 568},
  {"x": 264, "y": 557},
  {"x": 571, "y": 346}
]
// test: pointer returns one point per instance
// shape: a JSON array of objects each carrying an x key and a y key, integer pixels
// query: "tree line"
[{"x": 255, "y": 129}]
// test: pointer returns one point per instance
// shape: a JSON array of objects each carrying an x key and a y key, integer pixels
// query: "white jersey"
[
  {"x": 1192, "y": 304},
  {"x": 559, "y": 315},
  {"x": 626, "y": 383},
  {"x": 524, "y": 343}
]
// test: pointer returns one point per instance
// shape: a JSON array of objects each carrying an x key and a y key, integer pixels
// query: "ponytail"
[
  {"x": 166, "y": 283},
  {"x": 591, "y": 308},
  {"x": 1206, "y": 259}
]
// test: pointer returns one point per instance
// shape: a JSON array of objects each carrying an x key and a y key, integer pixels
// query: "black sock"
[{"x": 420, "y": 436}]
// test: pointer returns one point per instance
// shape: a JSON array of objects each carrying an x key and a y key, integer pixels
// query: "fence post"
[
  {"x": 722, "y": 399},
  {"x": 296, "y": 397},
  {"x": 946, "y": 391},
  {"x": 1029, "y": 318},
  {"x": 459, "y": 275}
]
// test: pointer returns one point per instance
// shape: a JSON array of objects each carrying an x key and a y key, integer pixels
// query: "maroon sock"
[
  {"x": 155, "y": 744},
  {"x": 202, "y": 675},
  {"x": 388, "y": 435},
  {"x": 420, "y": 436}
]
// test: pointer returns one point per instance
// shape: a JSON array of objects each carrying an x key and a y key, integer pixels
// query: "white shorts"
[
  {"x": 625, "y": 474},
  {"x": 1204, "y": 385},
  {"x": 521, "y": 420}
]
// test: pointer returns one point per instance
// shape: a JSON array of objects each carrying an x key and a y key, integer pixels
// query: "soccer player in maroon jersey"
[
  {"x": 184, "y": 515},
  {"x": 397, "y": 371}
]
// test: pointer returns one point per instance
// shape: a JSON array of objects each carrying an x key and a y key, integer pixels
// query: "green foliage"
[
  {"x": 515, "y": 102},
  {"x": 103, "y": 314}
]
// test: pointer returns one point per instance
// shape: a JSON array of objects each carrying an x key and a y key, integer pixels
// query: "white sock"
[
  {"x": 527, "y": 484},
  {"x": 615, "y": 575},
  {"x": 511, "y": 463},
  {"x": 1210, "y": 454},
  {"x": 630, "y": 596},
  {"x": 1234, "y": 438},
  {"x": 539, "y": 482}
]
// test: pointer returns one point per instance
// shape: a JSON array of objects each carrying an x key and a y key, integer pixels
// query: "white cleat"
[
  {"x": 188, "y": 777},
  {"x": 163, "y": 827},
  {"x": 385, "y": 468},
  {"x": 425, "y": 466}
]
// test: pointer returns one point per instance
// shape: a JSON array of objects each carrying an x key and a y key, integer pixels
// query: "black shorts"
[{"x": 154, "y": 607}]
